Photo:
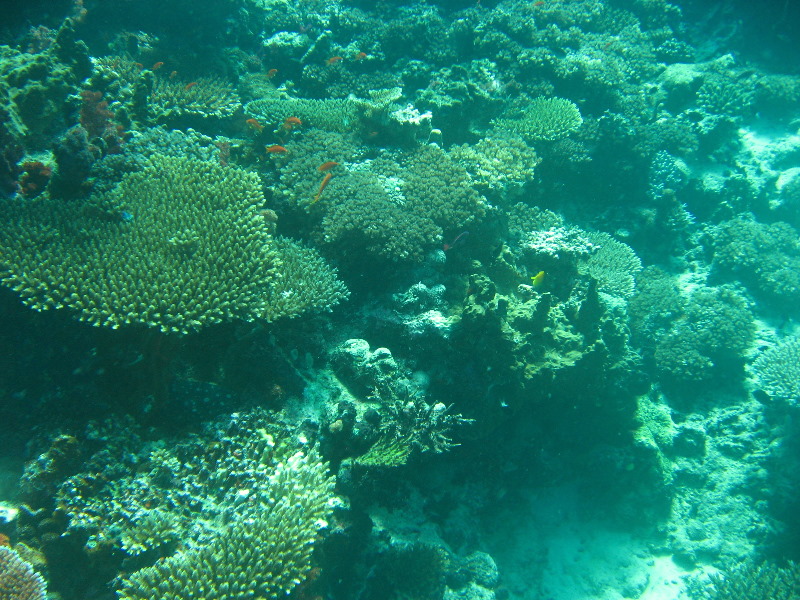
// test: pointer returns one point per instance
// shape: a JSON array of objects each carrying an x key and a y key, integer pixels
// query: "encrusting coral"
[{"x": 176, "y": 247}]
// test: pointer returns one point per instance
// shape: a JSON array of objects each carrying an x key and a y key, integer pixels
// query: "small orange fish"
[
  {"x": 327, "y": 166},
  {"x": 538, "y": 279},
  {"x": 139, "y": 66},
  {"x": 157, "y": 66},
  {"x": 173, "y": 75},
  {"x": 276, "y": 149},
  {"x": 291, "y": 122},
  {"x": 333, "y": 60},
  {"x": 271, "y": 73},
  {"x": 322, "y": 185},
  {"x": 538, "y": 3},
  {"x": 360, "y": 56},
  {"x": 190, "y": 85},
  {"x": 255, "y": 125}
]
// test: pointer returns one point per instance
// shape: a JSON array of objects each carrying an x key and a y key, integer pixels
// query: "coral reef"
[
  {"x": 264, "y": 553},
  {"x": 752, "y": 580},
  {"x": 777, "y": 370},
  {"x": 304, "y": 282},
  {"x": 546, "y": 119},
  {"x": 763, "y": 257},
  {"x": 398, "y": 207},
  {"x": 18, "y": 580},
  {"x": 177, "y": 246}
]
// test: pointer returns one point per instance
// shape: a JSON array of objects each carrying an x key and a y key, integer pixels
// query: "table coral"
[{"x": 176, "y": 246}]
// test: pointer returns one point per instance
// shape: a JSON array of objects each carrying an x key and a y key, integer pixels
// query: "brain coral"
[{"x": 176, "y": 246}]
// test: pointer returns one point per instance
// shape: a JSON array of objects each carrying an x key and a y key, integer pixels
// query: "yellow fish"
[{"x": 538, "y": 279}]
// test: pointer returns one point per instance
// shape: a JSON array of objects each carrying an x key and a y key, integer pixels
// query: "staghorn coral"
[
  {"x": 543, "y": 119},
  {"x": 777, "y": 370},
  {"x": 176, "y": 246},
  {"x": 18, "y": 580},
  {"x": 265, "y": 552}
]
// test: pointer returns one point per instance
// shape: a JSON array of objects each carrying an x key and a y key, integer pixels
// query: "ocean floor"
[{"x": 550, "y": 551}]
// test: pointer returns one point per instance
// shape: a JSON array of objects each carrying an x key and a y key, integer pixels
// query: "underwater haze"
[{"x": 382, "y": 300}]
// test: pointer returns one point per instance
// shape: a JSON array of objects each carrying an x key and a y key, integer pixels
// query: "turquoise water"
[{"x": 354, "y": 300}]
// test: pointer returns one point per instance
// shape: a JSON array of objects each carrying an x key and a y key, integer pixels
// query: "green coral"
[
  {"x": 175, "y": 101},
  {"x": 753, "y": 581},
  {"x": 176, "y": 246},
  {"x": 777, "y": 370},
  {"x": 397, "y": 206},
  {"x": 613, "y": 264},
  {"x": 501, "y": 162},
  {"x": 544, "y": 119},
  {"x": 764, "y": 257},
  {"x": 330, "y": 114},
  {"x": 304, "y": 282},
  {"x": 656, "y": 305},
  {"x": 265, "y": 552},
  {"x": 711, "y": 336}
]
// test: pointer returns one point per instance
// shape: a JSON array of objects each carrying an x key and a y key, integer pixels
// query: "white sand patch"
[{"x": 547, "y": 551}]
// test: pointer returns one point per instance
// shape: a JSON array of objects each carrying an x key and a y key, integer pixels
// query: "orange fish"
[
  {"x": 190, "y": 85},
  {"x": 276, "y": 149},
  {"x": 538, "y": 3},
  {"x": 139, "y": 66},
  {"x": 333, "y": 60},
  {"x": 322, "y": 185},
  {"x": 255, "y": 125},
  {"x": 157, "y": 66},
  {"x": 360, "y": 56},
  {"x": 173, "y": 75},
  {"x": 271, "y": 73},
  {"x": 327, "y": 166},
  {"x": 291, "y": 122}
]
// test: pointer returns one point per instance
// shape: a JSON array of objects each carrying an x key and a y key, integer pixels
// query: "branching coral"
[
  {"x": 717, "y": 330},
  {"x": 303, "y": 283},
  {"x": 177, "y": 246},
  {"x": 18, "y": 580},
  {"x": 754, "y": 581},
  {"x": 500, "y": 163},
  {"x": 544, "y": 119},
  {"x": 777, "y": 370},
  {"x": 396, "y": 206},
  {"x": 206, "y": 98},
  {"x": 331, "y": 114},
  {"x": 265, "y": 552},
  {"x": 613, "y": 264}
]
